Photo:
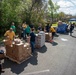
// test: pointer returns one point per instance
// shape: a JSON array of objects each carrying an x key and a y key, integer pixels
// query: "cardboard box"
[
  {"x": 18, "y": 49},
  {"x": 18, "y": 52},
  {"x": 17, "y": 41},
  {"x": 29, "y": 50},
  {"x": 19, "y": 58},
  {"x": 21, "y": 52},
  {"x": 7, "y": 42},
  {"x": 48, "y": 36},
  {"x": 27, "y": 45},
  {"x": 9, "y": 50}
]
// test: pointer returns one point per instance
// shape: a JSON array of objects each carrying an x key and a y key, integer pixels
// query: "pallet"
[{"x": 18, "y": 62}]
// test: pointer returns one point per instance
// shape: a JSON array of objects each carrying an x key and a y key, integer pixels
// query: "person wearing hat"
[{"x": 10, "y": 33}]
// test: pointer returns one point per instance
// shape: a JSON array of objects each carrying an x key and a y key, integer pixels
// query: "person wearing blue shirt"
[
  {"x": 47, "y": 28},
  {"x": 32, "y": 39}
]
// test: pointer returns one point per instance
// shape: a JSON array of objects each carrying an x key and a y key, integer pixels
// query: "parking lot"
[{"x": 57, "y": 58}]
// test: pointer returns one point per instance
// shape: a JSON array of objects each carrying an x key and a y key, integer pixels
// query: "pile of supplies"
[
  {"x": 40, "y": 39},
  {"x": 17, "y": 50}
]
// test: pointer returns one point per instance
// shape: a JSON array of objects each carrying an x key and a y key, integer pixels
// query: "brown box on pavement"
[
  {"x": 48, "y": 36},
  {"x": 9, "y": 50},
  {"x": 18, "y": 52},
  {"x": 18, "y": 49}
]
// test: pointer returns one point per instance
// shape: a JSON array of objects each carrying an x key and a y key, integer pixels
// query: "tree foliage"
[
  {"x": 19, "y": 11},
  {"x": 52, "y": 10}
]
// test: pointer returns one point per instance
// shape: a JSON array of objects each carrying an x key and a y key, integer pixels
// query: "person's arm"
[{"x": 6, "y": 34}]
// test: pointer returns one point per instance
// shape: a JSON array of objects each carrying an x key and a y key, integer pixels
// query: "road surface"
[{"x": 58, "y": 58}]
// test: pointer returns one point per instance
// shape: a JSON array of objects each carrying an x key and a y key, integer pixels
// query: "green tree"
[
  {"x": 7, "y": 14},
  {"x": 52, "y": 9},
  {"x": 62, "y": 15},
  {"x": 31, "y": 11}
]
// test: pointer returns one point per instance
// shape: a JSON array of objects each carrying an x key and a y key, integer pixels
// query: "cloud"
[
  {"x": 63, "y": 3},
  {"x": 67, "y": 6}
]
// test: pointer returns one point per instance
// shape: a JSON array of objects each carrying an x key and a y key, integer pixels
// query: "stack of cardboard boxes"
[
  {"x": 18, "y": 52},
  {"x": 9, "y": 50},
  {"x": 48, "y": 37},
  {"x": 40, "y": 39}
]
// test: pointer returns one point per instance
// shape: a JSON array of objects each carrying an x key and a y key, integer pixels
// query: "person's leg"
[
  {"x": 70, "y": 32},
  {"x": 53, "y": 34},
  {"x": 24, "y": 34},
  {"x": 21, "y": 35},
  {"x": 32, "y": 46}
]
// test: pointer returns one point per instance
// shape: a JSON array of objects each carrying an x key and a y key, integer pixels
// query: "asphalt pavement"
[{"x": 57, "y": 58}]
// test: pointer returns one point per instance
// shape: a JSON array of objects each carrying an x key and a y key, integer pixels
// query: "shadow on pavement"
[
  {"x": 73, "y": 36},
  {"x": 64, "y": 33},
  {"x": 74, "y": 30},
  {"x": 56, "y": 35},
  {"x": 42, "y": 49},
  {"x": 54, "y": 43},
  {"x": 18, "y": 68}
]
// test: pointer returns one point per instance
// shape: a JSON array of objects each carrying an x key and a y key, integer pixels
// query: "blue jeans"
[
  {"x": 32, "y": 46},
  {"x": 24, "y": 34}
]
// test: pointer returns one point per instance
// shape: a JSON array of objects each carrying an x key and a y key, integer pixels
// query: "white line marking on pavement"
[
  {"x": 64, "y": 39},
  {"x": 37, "y": 72}
]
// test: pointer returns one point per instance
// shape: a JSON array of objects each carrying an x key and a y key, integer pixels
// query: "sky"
[{"x": 66, "y": 6}]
